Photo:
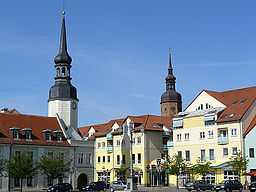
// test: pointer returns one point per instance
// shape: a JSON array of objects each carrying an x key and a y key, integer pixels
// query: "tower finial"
[
  {"x": 63, "y": 13},
  {"x": 63, "y": 56}
]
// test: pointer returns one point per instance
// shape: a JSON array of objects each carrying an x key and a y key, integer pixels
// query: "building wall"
[
  {"x": 250, "y": 143},
  {"x": 64, "y": 110},
  {"x": 204, "y": 98}
]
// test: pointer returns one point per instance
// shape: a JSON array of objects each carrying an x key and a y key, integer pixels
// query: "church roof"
[{"x": 37, "y": 124}]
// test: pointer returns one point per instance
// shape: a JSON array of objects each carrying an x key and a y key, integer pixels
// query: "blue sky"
[{"x": 120, "y": 52}]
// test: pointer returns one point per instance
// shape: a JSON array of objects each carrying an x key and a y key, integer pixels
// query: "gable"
[{"x": 203, "y": 100}]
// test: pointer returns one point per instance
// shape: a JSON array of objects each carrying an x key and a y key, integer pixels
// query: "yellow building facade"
[{"x": 211, "y": 129}]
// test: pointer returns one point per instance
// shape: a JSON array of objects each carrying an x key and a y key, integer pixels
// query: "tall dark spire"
[
  {"x": 170, "y": 79},
  {"x": 63, "y": 56},
  {"x": 170, "y": 100},
  {"x": 63, "y": 89}
]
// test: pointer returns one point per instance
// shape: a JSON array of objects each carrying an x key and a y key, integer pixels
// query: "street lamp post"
[{"x": 131, "y": 186}]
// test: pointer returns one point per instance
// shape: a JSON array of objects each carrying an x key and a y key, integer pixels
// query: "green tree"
[
  {"x": 2, "y": 166},
  {"x": 21, "y": 166},
  {"x": 202, "y": 168},
  {"x": 55, "y": 165},
  {"x": 175, "y": 164},
  {"x": 239, "y": 164}
]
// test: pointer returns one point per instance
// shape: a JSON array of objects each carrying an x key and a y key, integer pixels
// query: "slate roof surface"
[
  {"x": 36, "y": 123},
  {"x": 149, "y": 122}
]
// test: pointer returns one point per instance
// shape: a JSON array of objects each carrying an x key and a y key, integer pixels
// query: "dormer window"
[
  {"x": 47, "y": 134},
  {"x": 58, "y": 135},
  {"x": 27, "y": 132},
  {"x": 15, "y": 131}
]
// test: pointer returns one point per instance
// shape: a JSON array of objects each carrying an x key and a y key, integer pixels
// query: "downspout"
[{"x": 9, "y": 180}]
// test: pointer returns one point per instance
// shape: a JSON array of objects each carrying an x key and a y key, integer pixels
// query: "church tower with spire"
[
  {"x": 171, "y": 102},
  {"x": 63, "y": 95}
]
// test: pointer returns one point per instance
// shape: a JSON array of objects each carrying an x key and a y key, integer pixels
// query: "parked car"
[
  {"x": 95, "y": 186},
  {"x": 117, "y": 186},
  {"x": 252, "y": 186},
  {"x": 229, "y": 185},
  {"x": 60, "y": 187},
  {"x": 199, "y": 185}
]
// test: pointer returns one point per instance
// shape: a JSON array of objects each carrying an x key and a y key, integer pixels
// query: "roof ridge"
[{"x": 25, "y": 115}]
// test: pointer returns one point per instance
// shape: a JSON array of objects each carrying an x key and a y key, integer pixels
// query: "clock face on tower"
[
  {"x": 73, "y": 105},
  {"x": 173, "y": 109}
]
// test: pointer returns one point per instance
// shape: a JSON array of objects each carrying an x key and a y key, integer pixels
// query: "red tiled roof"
[
  {"x": 36, "y": 123},
  {"x": 228, "y": 97},
  {"x": 149, "y": 122},
  {"x": 252, "y": 124}
]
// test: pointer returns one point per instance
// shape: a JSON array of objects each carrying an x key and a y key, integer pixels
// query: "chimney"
[{"x": 4, "y": 110}]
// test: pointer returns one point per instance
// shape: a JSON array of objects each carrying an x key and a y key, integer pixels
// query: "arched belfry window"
[
  {"x": 63, "y": 72},
  {"x": 58, "y": 72}
]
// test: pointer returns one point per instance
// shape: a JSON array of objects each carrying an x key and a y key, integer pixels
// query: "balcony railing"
[
  {"x": 109, "y": 149},
  {"x": 169, "y": 143},
  {"x": 222, "y": 140},
  {"x": 165, "y": 147},
  {"x": 166, "y": 134},
  {"x": 109, "y": 136}
]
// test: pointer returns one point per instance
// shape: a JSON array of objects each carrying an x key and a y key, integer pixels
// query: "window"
[
  {"x": 202, "y": 135},
  {"x": 202, "y": 106},
  {"x": 209, "y": 123},
  {"x": 123, "y": 142},
  {"x": 16, "y": 182},
  {"x": 188, "y": 156},
  {"x": 186, "y": 136},
  {"x": 133, "y": 158},
  {"x": 206, "y": 106},
  {"x": 223, "y": 116},
  {"x": 118, "y": 143},
  {"x": 235, "y": 102},
  {"x": 99, "y": 145},
  {"x": 88, "y": 158},
  {"x": 251, "y": 152},
  {"x": 178, "y": 137},
  {"x": 231, "y": 115},
  {"x": 15, "y": 134},
  {"x": 211, "y": 154},
  {"x": 139, "y": 158},
  {"x": 118, "y": 159},
  {"x": 103, "y": 159},
  {"x": 49, "y": 182},
  {"x": 123, "y": 160},
  {"x": 210, "y": 134},
  {"x": 48, "y": 136},
  {"x": 203, "y": 158},
  {"x": 80, "y": 158},
  {"x": 243, "y": 101},
  {"x": 98, "y": 159},
  {"x": 28, "y": 135},
  {"x": 59, "y": 137},
  {"x": 180, "y": 154},
  {"x": 103, "y": 145},
  {"x": 108, "y": 159},
  {"x": 234, "y": 150},
  {"x": 29, "y": 181},
  {"x": 138, "y": 140},
  {"x": 225, "y": 151},
  {"x": 233, "y": 132}
]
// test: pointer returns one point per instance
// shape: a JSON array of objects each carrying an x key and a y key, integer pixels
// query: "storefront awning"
[
  {"x": 114, "y": 169},
  {"x": 134, "y": 168},
  {"x": 253, "y": 173},
  {"x": 221, "y": 165}
]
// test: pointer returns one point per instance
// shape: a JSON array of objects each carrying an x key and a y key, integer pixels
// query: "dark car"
[
  {"x": 229, "y": 185},
  {"x": 95, "y": 186},
  {"x": 199, "y": 185},
  {"x": 60, "y": 187},
  {"x": 252, "y": 186}
]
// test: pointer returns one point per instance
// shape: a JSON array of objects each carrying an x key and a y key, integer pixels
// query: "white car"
[{"x": 117, "y": 186}]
